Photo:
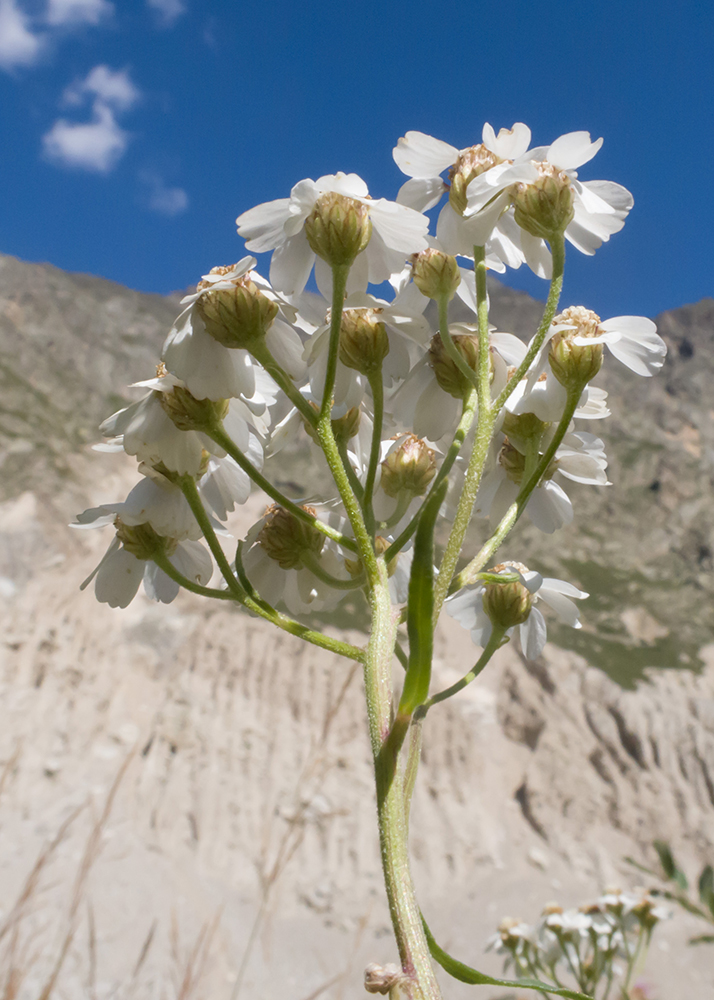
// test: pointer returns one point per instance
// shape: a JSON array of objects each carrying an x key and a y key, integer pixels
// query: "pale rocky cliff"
[{"x": 249, "y": 794}]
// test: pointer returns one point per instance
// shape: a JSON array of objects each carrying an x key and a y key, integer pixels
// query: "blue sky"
[{"x": 135, "y": 132}]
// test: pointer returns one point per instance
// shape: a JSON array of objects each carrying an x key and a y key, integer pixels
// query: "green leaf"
[
  {"x": 465, "y": 974},
  {"x": 702, "y": 939},
  {"x": 669, "y": 865},
  {"x": 706, "y": 887},
  {"x": 420, "y": 609}
]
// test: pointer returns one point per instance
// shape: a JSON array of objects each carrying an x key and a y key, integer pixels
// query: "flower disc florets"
[
  {"x": 470, "y": 163},
  {"x": 507, "y": 604},
  {"x": 364, "y": 343},
  {"x": 436, "y": 274},
  {"x": 338, "y": 228},
  {"x": 410, "y": 468},
  {"x": 575, "y": 364},
  {"x": 544, "y": 207},
  {"x": 237, "y": 316},
  {"x": 142, "y": 541},
  {"x": 189, "y": 413},
  {"x": 287, "y": 540},
  {"x": 446, "y": 371}
]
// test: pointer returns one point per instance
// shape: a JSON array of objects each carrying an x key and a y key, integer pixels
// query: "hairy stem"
[
  {"x": 420, "y": 982},
  {"x": 557, "y": 247},
  {"x": 222, "y": 439}
]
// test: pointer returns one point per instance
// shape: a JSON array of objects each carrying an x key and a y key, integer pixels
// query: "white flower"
[
  {"x": 466, "y": 607},
  {"x": 422, "y": 406},
  {"x": 278, "y": 225},
  {"x": 118, "y": 575},
  {"x": 600, "y": 207},
  {"x": 580, "y": 457},
  {"x": 633, "y": 340},
  {"x": 297, "y": 588},
  {"x": 499, "y": 157},
  {"x": 144, "y": 429},
  {"x": 546, "y": 397},
  {"x": 212, "y": 371}
]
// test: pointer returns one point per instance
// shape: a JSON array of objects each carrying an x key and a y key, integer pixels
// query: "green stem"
[
  {"x": 404, "y": 500},
  {"x": 482, "y": 441},
  {"x": 420, "y": 982},
  {"x": 492, "y": 645},
  {"x": 557, "y": 246},
  {"x": 218, "y": 434},
  {"x": 449, "y": 345},
  {"x": 326, "y": 437},
  {"x": 339, "y": 287},
  {"x": 312, "y": 563},
  {"x": 354, "y": 482},
  {"x": 468, "y": 574},
  {"x": 467, "y": 418},
  {"x": 258, "y": 607},
  {"x": 165, "y": 564},
  {"x": 263, "y": 356},
  {"x": 377, "y": 387}
]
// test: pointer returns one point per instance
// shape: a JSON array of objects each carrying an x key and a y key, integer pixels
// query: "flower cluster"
[
  {"x": 393, "y": 400},
  {"x": 595, "y": 945}
]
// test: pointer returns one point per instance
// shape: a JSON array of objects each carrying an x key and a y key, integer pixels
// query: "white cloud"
[
  {"x": 61, "y": 12},
  {"x": 111, "y": 88},
  {"x": 99, "y": 144},
  {"x": 168, "y": 11},
  {"x": 162, "y": 199},
  {"x": 19, "y": 46},
  {"x": 94, "y": 146}
]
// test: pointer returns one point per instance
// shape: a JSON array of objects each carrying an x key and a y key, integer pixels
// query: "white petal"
[
  {"x": 563, "y": 606},
  {"x": 350, "y": 185},
  {"x": 512, "y": 349},
  {"x": 118, "y": 579},
  {"x": 420, "y": 155},
  {"x": 570, "y": 151},
  {"x": 158, "y": 586},
  {"x": 551, "y": 584},
  {"x": 400, "y": 227},
  {"x": 193, "y": 561},
  {"x": 533, "y": 635},
  {"x": 466, "y": 607},
  {"x": 549, "y": 508},
  {"x": 510, "y": 143},
  {"x": 421, "y": 193},
  {"x": 636, "y": 356},
  {"x": 615, "y": 195},
  {"x": 291, "y": 264},
  {"x": 537, "y": 255},
  {"x": 287, "y": 348},
  {"x": 262, "y": 226}
]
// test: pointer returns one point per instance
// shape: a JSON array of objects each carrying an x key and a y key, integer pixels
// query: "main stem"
[{"x": 419, "y": 980}]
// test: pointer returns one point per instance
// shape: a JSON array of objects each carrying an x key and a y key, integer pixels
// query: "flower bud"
[
  {"x": 142, "y": 541},
  {"x": 338, "y": 228},
  {"x": 189, "y": 413},
  {"x": 436, "y": 274},
  {"x": 574, "y": 365},
  {"x": 344, "y": 428},
  {"x": 364, "y": 343},
  {"x": 286, "y": 538},
  {"x": 446, "y": 371},
  {"x": 470, "y": 163},
  {"x": 514, "y": 462},
  {"x": 523, "y": 428},
  {"x": 545, "y": 207},
  {"x": 382, "y": 978},
  {"x": 410, "y": 467},
  {"x": 507, "y": 604},
  {"x": 381, "y": 544},
  {"x": 236, "y": 316}
]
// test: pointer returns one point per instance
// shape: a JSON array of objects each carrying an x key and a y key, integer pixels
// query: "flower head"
[{"x": 335, "y": 218}]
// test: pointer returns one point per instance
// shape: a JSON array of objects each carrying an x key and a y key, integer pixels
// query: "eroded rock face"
[{"x": 250, "y": 786}]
